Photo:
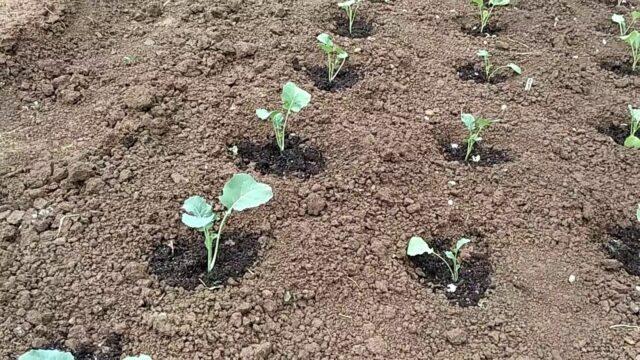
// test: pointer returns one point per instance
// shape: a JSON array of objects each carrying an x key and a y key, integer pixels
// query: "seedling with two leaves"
[
  {"x": 622, "y": 22},
  {"x": 632, "y": 141},
  {"x": 240, "y": 193},
  {"x": 486, "y": 10},
  {"x": 475, "y": 126},
  {"x": 489, "y": 70},
  {"x": 38, "y": 354},
  {"x": 336, "y": 56},
  {"x": 417, "y": 246},
  {"x": 350, "y": 7},
  {"x": 633, "y": 40},
  {"x": 294, "y": 100}
]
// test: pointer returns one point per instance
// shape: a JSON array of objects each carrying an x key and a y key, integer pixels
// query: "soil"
[
  {"x": 298, "y": 158},
  {"x": 470, "y": 72},
  {"x": 185, "y": 265},
  {"x": 110, "y": 349},
  {"x": 361, "y": 28},
  {"x": 97, "y": 154},
  {"x": 621, "y": 67},
  {"x": 474, "y": 276},
  {"x": 617, "y": 132},
  {"x": 623, "y": 244}
]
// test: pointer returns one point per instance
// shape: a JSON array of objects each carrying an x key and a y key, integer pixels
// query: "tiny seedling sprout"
[
  {"x": 622, "y": 22},
  {"x": 487, "y": 11},
  {"x": 241, "y": 192},
  {"x": 632, "y": 141},
  {"x": 294, "y": 99},
  {"x": 350, "y": 7},
  {"x": 336, "y": 57},
  {"x": 488, "y": 68},
  {"x": 474, "y": 126},
  {"x": 417, "y": 246},
  {"x": 633, "y": 39}
]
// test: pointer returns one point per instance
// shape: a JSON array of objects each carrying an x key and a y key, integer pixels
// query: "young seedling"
[
  {"x": 350, "y": 7},
  {"x": 240, "y": 193},
  {"x": 622, "y": 22},
  {"x": 417, "y": 246},
  {"x": 63, "y": 355},
  {"x": 638, "y": 213},
  {"x": 474, "y": 126},
  {"x": 336, "y": 57},
  {"x": 486, "y": 10},
  {"x": 632, "y": 141},
  {"x": 488, "y": 68},
  {"x": 294, "y": 99},
  {"x": 633, "y": 39}
]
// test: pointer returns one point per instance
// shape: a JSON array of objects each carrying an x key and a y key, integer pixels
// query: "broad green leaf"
[
  {"x": 294, "y": 98},
  {"x": 633, "y": 38},
  {"x": 516, "y": 69},
  {"x": 635, "y": 15},
  {"x": 499, "y": 2},
  {"x": 482, "y": 123},
  {"x": 198, "y": 214},
  {"x": 450, "y": 255},
  {"x": 469, "y": 121},
  {"x": 140, "y": 357},
  {"x": 347, "y": 3},
  {"x": 325, "y": 39},
  {"x": 46, "y": 355},
  {"x": 618, "y": 19},
  {"x": 417, "y": 246},
  {"x": 632, "y": 142},
  {"x": 342, "y": 54},
  {"x": 478, "y": 3},
  {"x": 243, "y": 192},
  {"x": 462, "y": 242},
  {"x": 263, "y": 114},
  {"x": 483, "y": 53},
  {"x": 278, "y": 119}
]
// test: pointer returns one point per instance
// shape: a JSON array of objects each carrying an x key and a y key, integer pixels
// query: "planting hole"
[
  {"x": 469, "y": 71},
  {"x": 110, "y": 349},
  {"x": 618, "y": 132},
  {"x": 185, "y": 265},
  {"x": 475, "y": 274},
  {"x": 619, "y": 67},
  {"x": 298, "y": 157},
  {"x": 347, "y": 77},
  {"x": 623, "y": 244},
  {"x": 361, "y": 27},
  {"x": 472, "y": 27},
  {"x": 480, "y": 156}
]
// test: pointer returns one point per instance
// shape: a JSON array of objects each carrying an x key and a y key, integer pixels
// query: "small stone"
[
  {"x": 244, "y": 308},
  {"x": 125, "y": 175},
  {"x": 69, "y": 97},
  {"x": 572, "y": 279},
  {"x": 236, "y": 319},
  {"x": 413, "y": 208},
  {"x": 256, "y": 351},
  {"x": 149, "y": 42},
  {"x": 456, "y": 336},
  {"x": 611, "y": 264},
  {"x": 93, "y": 186},
  {"x": 15, "y": 218}
]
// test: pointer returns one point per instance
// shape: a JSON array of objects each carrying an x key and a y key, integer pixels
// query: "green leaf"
[
  {"x": 632, "y": 142},
  {"x": 417, "y": 246},
  {"x": 199, "y": 214},
  {"x": 278, "y": 119},
  {"x": 499, "y": 2},
  {"x": 263, "y": 114},
  {"x": 243, "y": 192},
  {"x": 618, "y": 19},
  {"x": 325, "y": 39},
  {"x": 635, "y": 15},
  {"x": 483, "y": 53},
  {"x": 469, "y": 121},
  {"x": 638, "y": 213},
  {"x": 140, "y": 357},
  {"x": 633, "y": 38},
  {"x": 46, "y": 355},
  {"x": 342, "y": 54},
  {"x": 294, "y": 98},
  {"x": 482, "y": 123},
  {"x": 347, "y": 3},
  {"x": 450, "y": 255},
  {"x": 462, "y": 242},
  {"x": 516, "y": 69},
  {"x": 478, "y": 3}
]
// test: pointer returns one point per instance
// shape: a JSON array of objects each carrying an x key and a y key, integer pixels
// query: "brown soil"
[
  {"x": 623, "y": 244},
  {"x": 97, "y": 154}
]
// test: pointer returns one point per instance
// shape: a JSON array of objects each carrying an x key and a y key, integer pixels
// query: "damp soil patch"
[
  {"x": 473, "y": 27},
  {"x": 618, "y": 132},
  {"x": 623, "y": 244},
  {"x": 299, "y": 157},
  {"x": 474, "y": 279},
  {"x": 185, "y": 265},
  {"x": 111, "y": 349},
  {"x": 485, "y": 155},
  {"x": 620, "y": 67},
  {"x": 362, "y": 28},
  {"x": 469, "y": 71}
]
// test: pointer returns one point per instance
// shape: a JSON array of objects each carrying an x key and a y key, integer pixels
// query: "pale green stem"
[
  {"x": 215, "y": 252},
  {"x": 335, "y": 74}
]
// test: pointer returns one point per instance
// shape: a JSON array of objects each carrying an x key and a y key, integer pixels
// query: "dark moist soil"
[
  {"x": 617, "y": 132},
  {"x": 623, "y": 244},
  {"x": 470, "y": 72},
  {"x": 111, "y": 349},
  {"x": 473, "y": 27},
  {"x": 474, "y": 278},
  {"x": 185, "y": 266},
  {"x": 346, "y": 78},
  {"x": 619, "y": 67},
  {"x": 298, "y": 158},
  {"x": 362, "y": 28},
  {"x": 488, "y": 155}
]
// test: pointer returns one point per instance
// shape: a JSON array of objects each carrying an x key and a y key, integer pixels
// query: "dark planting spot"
[
  {"x": 298, "y": 157},
  {"x": 469, "y": 71},
  {"x": 128, "y": 141},
  {"x": 473, "y": 28},
  {"x": 615, "y": 2},
  {"x": 111, "y": 349},
  {"x": 617, "y": 132},
  {"x": 488, "y": 155},
  {"x": 623, "y": 244},
  {"x": 361, "y": 27},
  {"x": 474, "y": 277},
  {"x": 185, "y": 265},
  {"x": 347, "y": 77},
  {"x": 620, "y": 67}
]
